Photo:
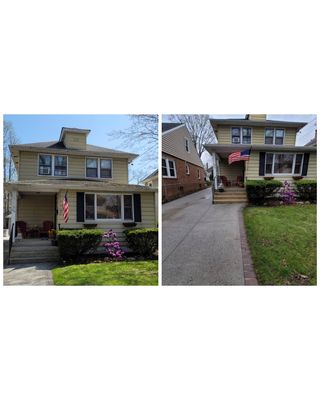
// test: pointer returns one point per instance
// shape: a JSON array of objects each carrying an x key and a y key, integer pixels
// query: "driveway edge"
[{"x": 250, "y": 277}]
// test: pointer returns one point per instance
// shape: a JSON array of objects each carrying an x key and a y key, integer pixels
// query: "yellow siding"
[
  {"x": 34, "y": 209},
  {"x": 224, "y": 135},
  {"x": 252, "y": 169},
  {"x": 28, "y": 168},
  {"x": 147, "y": 213},
  {"x": 75, "y": 141}
]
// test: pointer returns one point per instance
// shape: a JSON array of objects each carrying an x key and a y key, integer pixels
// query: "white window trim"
[
  {"x": 186, "y": 144},
  {"x": 199, "y": 175},
  {"x": 187, "y": 168},
  {"x": 98, "y": 165},
  {"x": 168, "y": 169},
  {"x": 287, "y": 173},
  {"x": 241, "y": 134},
  {"x": 52, "y": 164},
  {"x": 274, "y": 136},
  {"x": 101, "y": 220}
]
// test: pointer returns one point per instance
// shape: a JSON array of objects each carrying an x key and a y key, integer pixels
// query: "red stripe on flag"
[{"x": 65, "y": 209}]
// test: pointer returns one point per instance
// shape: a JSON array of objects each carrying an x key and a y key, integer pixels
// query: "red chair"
[
  {"x": 46, "y": 226},
  {"x": 21, "y": 227},
  {"x": 225, "y": 181}
]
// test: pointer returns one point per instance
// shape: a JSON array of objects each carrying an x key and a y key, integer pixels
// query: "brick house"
[{"x": 182, "y": 169}]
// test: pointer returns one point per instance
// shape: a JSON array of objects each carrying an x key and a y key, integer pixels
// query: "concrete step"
[
  {"x": 230, "y": 201},
  {"x": 35, "y": 250},
  {"x": 31, "y": 260},
  {"x": 231, "y": 196},
  {"x": 31, "y": 242}
]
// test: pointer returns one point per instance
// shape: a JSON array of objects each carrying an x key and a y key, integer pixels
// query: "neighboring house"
[
  {"x": 94, "y": 179},
  {"x": 182, "y": 169},
  {"x": 313, "y": 141},
  {"x": 152, "y": 180},
  {"x": 273, "y": 150}
]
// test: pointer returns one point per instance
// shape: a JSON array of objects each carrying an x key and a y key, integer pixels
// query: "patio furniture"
[
  {"x": 225, "y": 181},
  {"x": 240, "y": 181},
  {"x": 21, "y": 227},
  {"x": 46, "y": 227},
  {"x": 33, "y": 233}
]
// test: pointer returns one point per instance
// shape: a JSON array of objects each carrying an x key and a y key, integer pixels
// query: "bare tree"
[
  {"x": 9, "y": 171},
  {"x": 199, "y": 127}
]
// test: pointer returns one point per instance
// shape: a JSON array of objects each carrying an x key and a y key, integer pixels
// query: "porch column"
[
  {"x": 214, "y": 171},
  {"x": 14, "y": 199}
]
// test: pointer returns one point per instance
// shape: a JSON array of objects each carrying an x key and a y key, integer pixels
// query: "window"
[
  {"x": 187, "y": 145},
  {"x": 164, "y": 167},
  {"x": 187, "y": 169},
  {"x": 199, "y": 174},
  {"x": 92, "y": 168},
  {"x": 168, "y": 168},
  {"x": 105, "y": 168},
  {"x": 89, "y": 200},
  {"x": 241, "y": 135},
  {"x": 274, "y": 136},
  {"x": 283, "y": 163},
  {"x": 45, "y": 167},
  {"x": 108, "y": 206},
  {"x": 53, "y": 165},
  {"x": 60, "y": 165}
]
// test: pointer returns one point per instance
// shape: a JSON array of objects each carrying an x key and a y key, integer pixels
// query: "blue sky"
[{"x": 42, "y": 128}]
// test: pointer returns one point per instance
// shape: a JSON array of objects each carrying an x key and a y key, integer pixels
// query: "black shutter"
[
  {"x": 305, "y": 164},
  {"x": 80, "y": 206},
  {"x": 137, "y": 207},
  {"x": 262, "y": 160}
]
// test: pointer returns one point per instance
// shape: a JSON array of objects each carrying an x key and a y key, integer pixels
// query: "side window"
[
  {"x": 172, "y": 168},
  {"x": 92, "y": 168},
  {"x": 187, "y": 145},
  {"x": 60, "y": 165},
  {"x": 105, "y": 168},
  {"x": 164, "y": 167},
  {"x": 45, "y": 164},
  {"x": 187, "y": 169},
  {"x": 235, "y": 135}
]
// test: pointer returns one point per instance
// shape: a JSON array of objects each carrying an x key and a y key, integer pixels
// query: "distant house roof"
[
  {"x": 167, "y": 126},
  {"x": 153, "y": 174},
  {"x": 312, "y": 142}
]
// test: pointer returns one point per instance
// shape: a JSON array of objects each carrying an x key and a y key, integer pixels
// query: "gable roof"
[
  {"x": 153, "y": 174},
  {"x": 173, "y": 143},
  {"x": 167, "y": 126}
]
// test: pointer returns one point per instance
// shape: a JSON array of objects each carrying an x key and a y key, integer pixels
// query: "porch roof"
[
  {"x": 225, "y": 149},
  {"x": 55, "y": 185},
  {"x": 215, "y": 122}
]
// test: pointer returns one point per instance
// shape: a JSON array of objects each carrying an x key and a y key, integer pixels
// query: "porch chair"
[
  {"x": 240, "y": 181},
  {"x": 225, "y": 181},
  {"x": 21, "y": 226},
  {"x": 46, "y": 226}
]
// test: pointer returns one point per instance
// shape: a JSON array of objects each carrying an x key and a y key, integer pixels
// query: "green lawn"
[
  {"x": 283, "y": 245},
  {"x": 108, "y": 273}
]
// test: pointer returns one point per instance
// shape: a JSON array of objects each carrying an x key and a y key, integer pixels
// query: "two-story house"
[
  {"x": 93, "y": 179},
  {"x": 182, "y": 168},
  {"x": 272, "y": 151}
]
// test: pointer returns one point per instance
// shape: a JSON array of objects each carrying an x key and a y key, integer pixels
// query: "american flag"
[
  {"x": 65, "y": 208},
  {"x": 239, "y": 155}
]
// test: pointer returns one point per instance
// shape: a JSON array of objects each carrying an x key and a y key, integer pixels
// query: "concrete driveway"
[
  {"x": 37, "y": 274},
  {"x": 201, "y": 242}
]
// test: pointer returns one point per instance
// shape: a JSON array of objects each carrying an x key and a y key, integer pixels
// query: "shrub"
[
  {"x": 307, "y": 190},
  {"x": 143, "y": 241},
  {"x": 74, "y": 243},
  {"x": 287, "y": 194},
  {"x": 259, "y": 190}
]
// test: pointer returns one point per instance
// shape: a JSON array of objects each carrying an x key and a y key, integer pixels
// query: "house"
[
  {"x": 93, "y": 179},
  {"x": 182, "y": 169},
  {"x": 272, "y": 149},
  {"x": 313, "y": 141},
  {"x": 151, "y": 180}
]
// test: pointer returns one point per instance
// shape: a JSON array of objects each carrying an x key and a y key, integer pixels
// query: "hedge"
[
  {"x": 259, "y": 190},
  {"x": 142, "y": 241},
  {"x": 73, "y": 243},
  {"x": 307, "y": 190}
]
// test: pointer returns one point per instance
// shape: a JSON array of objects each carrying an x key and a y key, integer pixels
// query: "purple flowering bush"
[
  {"x": 288, "y": 195},
  {"x": 112, "y": 245}
]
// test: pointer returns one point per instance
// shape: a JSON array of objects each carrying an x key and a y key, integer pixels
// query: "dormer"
[{"x": 74, "y": 138}]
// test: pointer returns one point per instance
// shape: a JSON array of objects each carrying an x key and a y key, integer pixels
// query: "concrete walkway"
[
  {"x": 36, "y": 274},
  {"x": 201, "y": 242}
]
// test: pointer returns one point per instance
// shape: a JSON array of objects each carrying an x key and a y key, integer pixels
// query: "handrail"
[{"x": 10, "y": 241}]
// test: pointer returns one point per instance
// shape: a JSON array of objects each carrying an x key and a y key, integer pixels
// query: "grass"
[
  {"x": 283, "y": 244},
  {"x": 108, "y": 273}
]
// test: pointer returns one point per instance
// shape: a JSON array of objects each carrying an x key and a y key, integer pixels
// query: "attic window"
[{"x": 187, "y": 145}]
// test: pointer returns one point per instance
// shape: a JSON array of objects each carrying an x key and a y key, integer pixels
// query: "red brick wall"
[{"x": 184, "y": 184}]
